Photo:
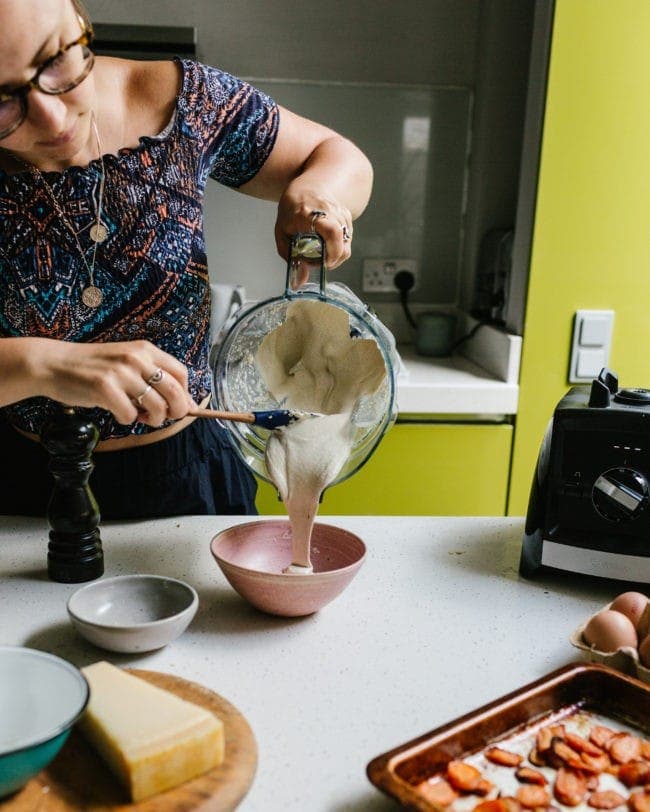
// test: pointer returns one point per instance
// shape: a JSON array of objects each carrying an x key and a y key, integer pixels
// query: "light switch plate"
[
  {"x": 591, "y": 344},
  {"x": 590, "y": 362},
  {"x": 595, "y": 331}
]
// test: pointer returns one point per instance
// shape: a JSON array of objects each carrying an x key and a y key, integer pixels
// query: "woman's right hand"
[{"x": 122, "y": 377}]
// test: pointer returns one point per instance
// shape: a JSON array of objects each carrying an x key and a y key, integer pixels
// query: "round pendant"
[
  {"x": 98, "y": 232},
  {"x": 92, "y": 296}
]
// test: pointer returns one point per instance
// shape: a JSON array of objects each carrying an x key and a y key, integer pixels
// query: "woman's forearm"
[
  {"x": 110, "y": 376},
  {"x": 17, "y": 368}
]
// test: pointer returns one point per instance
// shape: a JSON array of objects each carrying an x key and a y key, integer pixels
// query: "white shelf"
[
  {"x": 480, "y": 381},
  {"x": 452, "y": 386},
  {"x": 483, "y": 381}
]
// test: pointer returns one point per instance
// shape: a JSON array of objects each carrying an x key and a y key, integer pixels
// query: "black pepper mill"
[{"x": 75, "y": 548}]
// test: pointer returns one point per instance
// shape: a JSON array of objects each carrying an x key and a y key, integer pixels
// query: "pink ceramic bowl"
[{"x": 253, "y": 555}]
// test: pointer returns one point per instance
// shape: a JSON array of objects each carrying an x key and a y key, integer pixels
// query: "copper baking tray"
[{"x": 579, "y": 687}]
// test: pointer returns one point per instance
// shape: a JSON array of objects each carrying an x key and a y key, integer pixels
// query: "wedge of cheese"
[{"x": 151, "y": 739}]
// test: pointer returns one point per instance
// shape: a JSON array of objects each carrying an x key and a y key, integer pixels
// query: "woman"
[{"x": 104, "y": 294}]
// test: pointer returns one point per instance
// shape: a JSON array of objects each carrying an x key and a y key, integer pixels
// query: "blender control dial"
[{"x": 620, "y": 494}]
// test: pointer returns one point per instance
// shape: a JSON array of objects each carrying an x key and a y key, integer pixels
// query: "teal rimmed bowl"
[{"x": 41, "y": 697}]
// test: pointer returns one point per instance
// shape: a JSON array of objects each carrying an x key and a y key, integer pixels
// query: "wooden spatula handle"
[{"x": 240, "y": 417}]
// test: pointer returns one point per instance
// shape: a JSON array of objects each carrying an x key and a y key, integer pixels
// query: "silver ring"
[
  {"x": 138, "y": 398},
  {"x": 157, "y": 377},
  {"x": 347, "y": 236},
  {"x": 315, "y": 215}
]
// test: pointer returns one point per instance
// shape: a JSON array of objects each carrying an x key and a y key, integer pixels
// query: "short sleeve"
[{"x": 235, "y": 123}]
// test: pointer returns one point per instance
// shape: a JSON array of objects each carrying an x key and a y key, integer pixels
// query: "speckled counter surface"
[{"x": 436, "y": 623}]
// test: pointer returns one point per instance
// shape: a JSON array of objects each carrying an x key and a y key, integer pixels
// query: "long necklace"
[{"x": 91, "y": 295}]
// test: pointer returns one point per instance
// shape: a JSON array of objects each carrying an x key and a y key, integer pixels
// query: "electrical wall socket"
[{"x": 379, "y": 274}]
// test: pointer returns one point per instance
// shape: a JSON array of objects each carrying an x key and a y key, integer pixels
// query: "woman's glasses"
[{"x": 58, "y": 74}]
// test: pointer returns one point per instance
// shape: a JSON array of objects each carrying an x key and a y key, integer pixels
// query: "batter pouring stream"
[{"x": 310, "y": 363}]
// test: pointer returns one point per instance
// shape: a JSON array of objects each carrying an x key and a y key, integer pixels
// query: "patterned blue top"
[{"x": 152, "y": 268}]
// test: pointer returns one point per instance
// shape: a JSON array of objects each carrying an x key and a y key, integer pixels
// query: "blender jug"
[{"x": 238, "y": 382}]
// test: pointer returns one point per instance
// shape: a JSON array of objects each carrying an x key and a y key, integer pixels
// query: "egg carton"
[{"x": 626, "y": 659}]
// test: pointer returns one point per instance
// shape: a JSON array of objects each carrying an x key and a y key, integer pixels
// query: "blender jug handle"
[{"x": 306, "y": 246}]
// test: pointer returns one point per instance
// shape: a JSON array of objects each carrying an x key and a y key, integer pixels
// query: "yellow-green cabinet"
[
  {"x": 591, "y": 245},
  {"x": 420, "y": 469}
]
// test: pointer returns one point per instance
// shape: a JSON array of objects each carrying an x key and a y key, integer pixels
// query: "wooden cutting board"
[{"x": 77, "y": 779}]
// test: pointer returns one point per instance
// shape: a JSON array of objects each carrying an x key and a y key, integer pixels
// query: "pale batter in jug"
[{"x": 310, "y": 363}]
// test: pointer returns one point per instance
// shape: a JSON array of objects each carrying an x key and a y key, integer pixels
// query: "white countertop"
[{"x": 436, "y": 623}]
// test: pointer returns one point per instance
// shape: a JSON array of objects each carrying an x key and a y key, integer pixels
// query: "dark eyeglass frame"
[{"x": 20, "y": 93}]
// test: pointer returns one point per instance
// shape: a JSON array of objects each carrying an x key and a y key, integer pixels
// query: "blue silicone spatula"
[{"x": 271, "y": 419}]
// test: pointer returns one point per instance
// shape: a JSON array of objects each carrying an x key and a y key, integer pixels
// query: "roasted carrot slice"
[
  {"x": 504, "y": 757},
  {"x": 592, "y": 783},
  {"x": 484, "y": 787},
  {"x": 561, "y": 753},
  {"x": 583, "y": 745},
  {"x": 529, "y": 776},
  {"x": 463, "y": 776},
  {"x": 600, "y": 735},
  {"x": 607, "y": 799},
  {"x": 537, "y": 758},
  {"x": 511, "y": 804},
  {"x": 639, "y": 801},
  {"x": 624, "y": 747},
  {"x": 570, "y": 787},
  {"x": 438, "y": 791},
  {"x": 595, "y": 764},
  {"x": 582, "y": 766},
  {"x": 634, "y": 773},
  {"x": 532, "y": 796},
  {"x": 543, "y": 739},
  {"x": 495, "y": 805}
]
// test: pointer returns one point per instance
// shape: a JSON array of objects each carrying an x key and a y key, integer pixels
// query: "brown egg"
[
  {"x": 644, "y": 651},
  {"x": 630, "y": 604},
  {"x": 610, "y": 630}
]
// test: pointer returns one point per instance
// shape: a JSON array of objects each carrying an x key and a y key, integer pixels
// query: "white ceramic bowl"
[
  {"x": 41, "y": 697},
  {"x": 133, "y": 613}
]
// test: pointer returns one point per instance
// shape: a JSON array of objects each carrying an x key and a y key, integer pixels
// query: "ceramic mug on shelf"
[{"x": 435, "y": 334}]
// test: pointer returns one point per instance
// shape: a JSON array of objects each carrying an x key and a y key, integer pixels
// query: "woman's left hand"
[{"x": 302, "y": 211}]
